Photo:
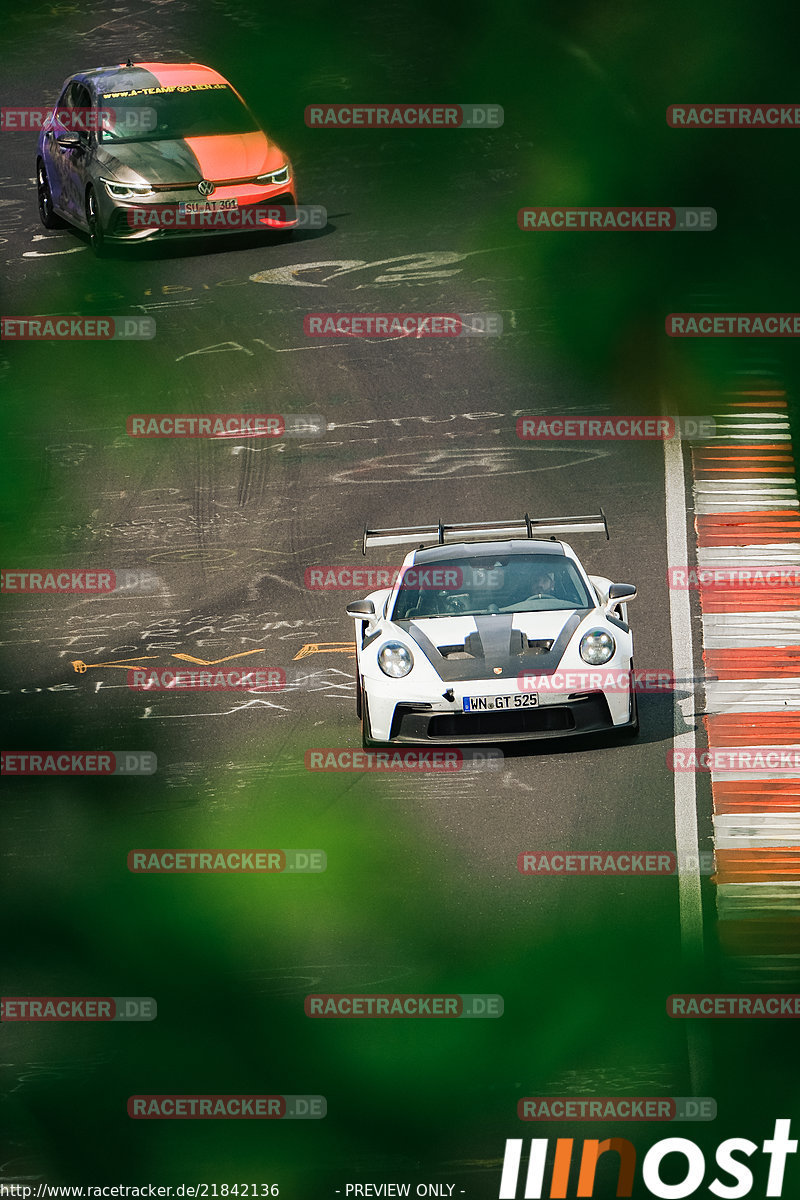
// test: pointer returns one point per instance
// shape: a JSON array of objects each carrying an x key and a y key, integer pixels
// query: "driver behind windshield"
[
  {"x": 526, "y": 583},
  {"x": 540, "y": 584}
]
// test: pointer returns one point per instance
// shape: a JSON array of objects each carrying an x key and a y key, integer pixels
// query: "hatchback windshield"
[
  {"x": 195, "y": 112},
  {"x": 485, "y": 586}
]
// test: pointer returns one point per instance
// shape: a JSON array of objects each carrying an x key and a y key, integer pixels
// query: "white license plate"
[
  {"x": 207, "y": 206},
  {"x": 492, "y": 703}
]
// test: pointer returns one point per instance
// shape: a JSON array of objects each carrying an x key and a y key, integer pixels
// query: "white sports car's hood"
[
  {"x": 501, "y": 644},
  {"x": 444, "y": 631}
]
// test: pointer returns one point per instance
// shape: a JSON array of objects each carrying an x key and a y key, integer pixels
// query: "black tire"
[
  {"x": 366, "y": 732},
  {"x": 358, "y": 693},
  {"x": 97, "y": 236},
  {"x": 44, "y": 198},
  {"x": 632, "y": 730}
]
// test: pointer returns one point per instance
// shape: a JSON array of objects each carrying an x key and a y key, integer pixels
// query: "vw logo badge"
[{"x": 205, "y": 187}]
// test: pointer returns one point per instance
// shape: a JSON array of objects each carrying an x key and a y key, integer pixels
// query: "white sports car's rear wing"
[{"x": 486, "y": 531}]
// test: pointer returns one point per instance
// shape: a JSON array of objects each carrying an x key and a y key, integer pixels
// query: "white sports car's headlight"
[
  {"x": 395, "y": 659},
  {"x": 127, "y": 191},
  {"x": 597, "y": 647}
]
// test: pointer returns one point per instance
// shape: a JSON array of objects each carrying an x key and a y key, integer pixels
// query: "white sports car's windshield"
[{"x": 485, "y": 586}]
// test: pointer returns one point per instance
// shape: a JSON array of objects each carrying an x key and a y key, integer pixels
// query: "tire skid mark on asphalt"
[{"x": 437, "y": 464}]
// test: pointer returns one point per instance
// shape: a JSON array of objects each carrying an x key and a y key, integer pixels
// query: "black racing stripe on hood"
[
  {"x": 495, "y": 637},
  {"x": 496, "y": 650},
  {"x": 169, "y": 161}
]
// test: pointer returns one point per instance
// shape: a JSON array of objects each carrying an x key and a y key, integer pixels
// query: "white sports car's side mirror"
[
  {"x": 362, "y": 608},
  {"x": 619, "y": 592}
]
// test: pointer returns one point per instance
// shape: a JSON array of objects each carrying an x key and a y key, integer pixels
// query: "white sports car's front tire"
[
  {"x": 632, "y": 730},
  {"x": 366, "y": 732}
]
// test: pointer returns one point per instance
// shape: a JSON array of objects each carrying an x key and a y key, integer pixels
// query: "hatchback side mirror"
[{"x": 69, "y": 140}]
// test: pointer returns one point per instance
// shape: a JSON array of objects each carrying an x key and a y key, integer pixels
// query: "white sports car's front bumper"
[{"x": 564, "y": 696}]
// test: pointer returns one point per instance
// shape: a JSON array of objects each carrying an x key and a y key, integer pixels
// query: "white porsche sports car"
[{"x": 484, "y": 640}]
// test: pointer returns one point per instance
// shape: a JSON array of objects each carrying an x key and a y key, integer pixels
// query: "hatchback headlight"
[
  {"x": 395, "y": 659},
  {"x": 127, "y": 191},
  {"x": 597, "y": 647},
  {"x": 279, "y": 176}
]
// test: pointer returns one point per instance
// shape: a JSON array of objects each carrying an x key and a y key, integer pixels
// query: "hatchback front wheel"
[{"x": 97, "y": 237}]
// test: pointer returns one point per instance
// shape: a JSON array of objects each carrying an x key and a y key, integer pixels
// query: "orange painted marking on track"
[
  {"x": 705, "y": 472},
  {"x": 772, "y": 864},
  {"x": 347, "y": 648},
  {"x": 761, "y": 527},
  {"x": 756, "y": 795},
  {"x": 80, "y": 667},
  {"x": 758, "y": 403},
  {"x": 210, "y": 662},
  {"x": 766, "y": 930},
  {"x": 761, "y": 598},
  {"x": 753, "y": 662},
  {"x": 753, "y": 729},
  {"x": 706, "y": 460},
  {"x": 719, "y": 454},
  {"x": 765, "y": 393},
  {"x": 722, "y": 454}
]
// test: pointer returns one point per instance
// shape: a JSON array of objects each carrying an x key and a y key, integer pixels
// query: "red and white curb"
[{"x": 747, "y": 514}]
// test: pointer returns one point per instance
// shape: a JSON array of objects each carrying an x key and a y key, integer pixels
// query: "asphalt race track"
[{"x": 421, "y": 891}]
